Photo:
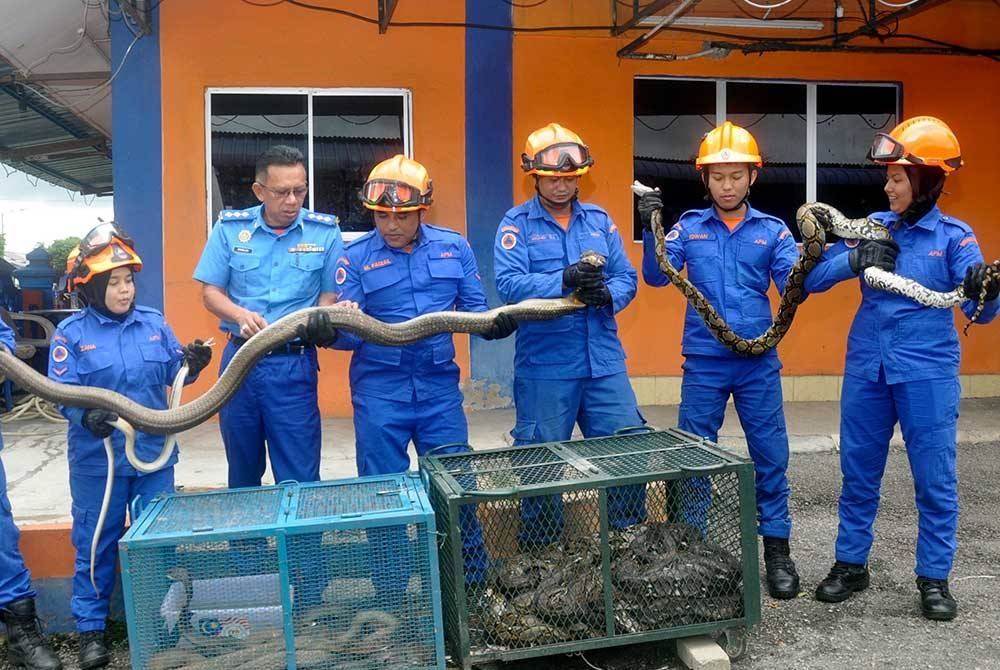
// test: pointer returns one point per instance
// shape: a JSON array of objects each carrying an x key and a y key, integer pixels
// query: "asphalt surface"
[{"x": 879, "y": 628}]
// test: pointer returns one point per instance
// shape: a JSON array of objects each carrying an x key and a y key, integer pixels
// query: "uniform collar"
[
  {"x": 258, "y": 221},
  {"x": 537, "y": 211},
  {"x": 928, "y": 221},
  {"x": 710, "y": 213},
  {"x": 104, "y": 319},
  {"x": 381, "y": 244}
]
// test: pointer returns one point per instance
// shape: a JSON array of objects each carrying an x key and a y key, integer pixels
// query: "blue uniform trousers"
[
  {"x": 755, "y": 384},
  {"x": 546, "y": 412},
  {"x": 89, "y": 608},
  {"x": 384, "y": 429},
  {"x": 927, "y": 412},
  {"x": 15, "y": 580},
  {"x": 277, "y": 403}
]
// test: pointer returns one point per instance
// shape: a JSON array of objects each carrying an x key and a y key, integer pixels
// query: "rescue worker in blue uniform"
[
  {"x": 570, "y": 370},
  {"x": 400, "y": 270},
  {"x": 115, "y": 344},
  {"x": 903, "y": 361},
  {"x": 733, "y": 252},
  {"x": 259, "y": 265},
  {"x": 26, "y": 648}
]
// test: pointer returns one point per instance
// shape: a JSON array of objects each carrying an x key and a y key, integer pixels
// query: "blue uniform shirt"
[
  {"x": 439, "y": 274},
  {"x": 910, "y": 341},
  {"x": 137, "y": 357},
  {"x": 732, "y": 268},
  {"x": 273, "y": 275},
  {"x": 7, "y": 340},
  {"x": 530, "y": 253}
]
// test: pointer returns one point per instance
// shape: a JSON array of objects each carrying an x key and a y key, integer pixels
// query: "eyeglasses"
[
  {"x": 101, "y": 236},
  {"x": 562, "y": 157},
  {"x": 299, "y": 191},
  {"x": 887, "y": 149},
  {"x": 391, "y": 193}
]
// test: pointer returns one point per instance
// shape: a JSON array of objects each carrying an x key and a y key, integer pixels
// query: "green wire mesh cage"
[
  {"x": 338, "y": 574},
  {"x": 568, "y": 546}
]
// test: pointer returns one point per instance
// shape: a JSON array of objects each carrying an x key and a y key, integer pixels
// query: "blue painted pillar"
[
  {"x": 489, "y": 188},
  {"x": 137, "y": 165}
]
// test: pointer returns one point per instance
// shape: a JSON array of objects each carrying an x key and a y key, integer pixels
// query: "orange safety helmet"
[
  {"x": 397, "y": 184},
  {"x": 728, "y": 143},
  {"x": 555, "y": 151},
  {"x": 922, "y": 141},
  {"x": 103, "y": 249}
]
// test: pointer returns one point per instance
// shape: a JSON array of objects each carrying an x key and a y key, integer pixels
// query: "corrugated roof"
[{"x": 29, "y": 120}]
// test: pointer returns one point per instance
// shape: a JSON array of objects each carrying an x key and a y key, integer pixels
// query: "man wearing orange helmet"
[
  {"x": 112, "y": 343},
  {"x": 400, "y": 270},
  {"x": 903, "y": 362},
  {"x": 570, "y": 370},
  {"x": 733, "y": 252}
]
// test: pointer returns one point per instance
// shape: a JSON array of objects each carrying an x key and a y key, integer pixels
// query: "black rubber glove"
[
  {"x": 973, "y": 284},
  {"x": 197, "y": 355},
  {"x": 317, "y": 330},
  {"x": 503, "y": 326},
  {"x": 96, "y": 421},
  {"x": 648, "y": 204},
  {"x": 583, "y": 276},
  {"x": 595, "y": 297},
  {"x": 874, "y": 254}
]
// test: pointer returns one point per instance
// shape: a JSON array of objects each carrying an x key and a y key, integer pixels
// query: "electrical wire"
[
  {"x": 360, "y": 123},
  {"x": 780, "y": 3},
  {"x": 69, "y": 48},
  {"x": 900, "y": 5},
  {"x": 525, "y": 5},
  {"x": 658, "y": 130}
]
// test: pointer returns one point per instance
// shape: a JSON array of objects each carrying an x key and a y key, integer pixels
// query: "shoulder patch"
[
  {"x": 340, "y": 276},
  {"x": 969, "y": 239},
  {"x": 509, "y": 229},
  {"x": 319, "y": 217},
  {"x": 673, "y": 234},
  {"x": 59, "y": 353},
  {"x": 508, "y": 241},
  {"x": 851, "y": 243}
]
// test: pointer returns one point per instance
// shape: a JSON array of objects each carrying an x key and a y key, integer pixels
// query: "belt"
[{"x": 289, "y": 348}]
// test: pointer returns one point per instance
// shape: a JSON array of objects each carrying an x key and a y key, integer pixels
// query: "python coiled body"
[{"x": 814, "y": 234}]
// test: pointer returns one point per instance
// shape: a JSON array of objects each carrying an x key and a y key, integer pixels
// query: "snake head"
[{"x": 591, "y": 257}]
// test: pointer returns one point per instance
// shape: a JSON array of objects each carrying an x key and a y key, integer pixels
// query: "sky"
[{"x": 34, "y": 211}]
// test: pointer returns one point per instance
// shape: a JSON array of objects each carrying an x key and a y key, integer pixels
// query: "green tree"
[{"x": 59, "y": 251}]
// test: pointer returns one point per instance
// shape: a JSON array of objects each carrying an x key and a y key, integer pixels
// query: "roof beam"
[
  {"x": 680, "y": 9},
  {"x": 49, "y": 77},
  {"x": 639, "y": 15},
  {"x": 50, "y": 148},
  {"x": 385, "y": 10}
]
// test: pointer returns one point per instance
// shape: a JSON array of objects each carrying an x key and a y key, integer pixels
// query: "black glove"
[
  {"x": 583, "y": 276},
  {"x": 317, "y": 330},
  {"x": 595, "y": 297},
  {"x": 873, "y": 254},
  {"x": 503, "y": 326},
  {"x": 197, "y": 355},
  {"x": 973, "y": 284},
  {"x": 648, "y": 204},
  {"x": 96, "y": 421}
]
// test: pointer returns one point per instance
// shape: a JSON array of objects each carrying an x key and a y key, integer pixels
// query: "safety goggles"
[
  {"x": 391, "y": 193},
  {"x": 886, "y": 149},
  {"x": 101, "y": 236},
  {"x": 563, "y": 157}
]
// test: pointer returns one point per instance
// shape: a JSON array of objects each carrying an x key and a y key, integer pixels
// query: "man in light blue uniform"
[
  {"x": 903, "y": 362},
  {"x": 259, "y": 265},
  {"x": 732, "y": 253},
  {"x": 25, "y": 645},
  {"x": 570, "y": 370},
  {"x": 400, "y": 270}
]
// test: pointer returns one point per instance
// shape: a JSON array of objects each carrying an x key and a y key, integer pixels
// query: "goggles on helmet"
[
  {"x": 887, "y": 149},
  {"x": 391, "y": 193},
  {"x": 563, "y": 157},
  {"x": 101, "y": 236}
]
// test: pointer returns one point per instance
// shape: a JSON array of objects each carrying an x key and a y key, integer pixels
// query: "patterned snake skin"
[{"x": 813, "y": 243}]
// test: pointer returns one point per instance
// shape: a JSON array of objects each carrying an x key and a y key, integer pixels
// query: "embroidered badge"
[
  {"x": 59, "y": 353},
  {"x": 59, "y": 370},
  {"x": 340, "y": 276},
  {"x": 850, "y": 244},
  {"x": 673, "y": 235},
  {"x": 508, "y": 241},
  {"x": 244, "y": 235}
]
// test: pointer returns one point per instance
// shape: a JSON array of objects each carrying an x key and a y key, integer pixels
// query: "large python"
[{"x": 814, "y": 233}]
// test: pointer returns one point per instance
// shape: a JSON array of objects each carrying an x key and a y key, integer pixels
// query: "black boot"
[
  {"x": 25, "y": 646},
  {"x": 935, "y": 600},
  {"x": 843, "y": 580},
  {"x": 782, "y": 579},
  {"x": 93, "y": 651}
]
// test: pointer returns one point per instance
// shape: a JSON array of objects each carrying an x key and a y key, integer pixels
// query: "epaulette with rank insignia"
[
  {"x": 236, "y": 215},
  {"x": 318, "y": 217}
]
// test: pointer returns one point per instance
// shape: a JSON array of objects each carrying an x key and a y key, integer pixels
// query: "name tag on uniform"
[{"x": 243, "y": 250}]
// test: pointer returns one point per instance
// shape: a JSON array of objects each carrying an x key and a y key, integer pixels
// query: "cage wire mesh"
[
  {"x": 568, "y": 546},
  {"x": 327, "y": 575}
]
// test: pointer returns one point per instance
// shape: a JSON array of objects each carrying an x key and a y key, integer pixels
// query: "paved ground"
[{"x": 880, "y": 628}]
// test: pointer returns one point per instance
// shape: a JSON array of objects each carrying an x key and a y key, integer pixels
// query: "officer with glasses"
[{"x": 259, "y": 265}]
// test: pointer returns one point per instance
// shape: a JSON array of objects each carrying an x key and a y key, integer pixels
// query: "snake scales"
[
  {"x": 169, "y": 421},
  {"x": 813, "y": 243}
]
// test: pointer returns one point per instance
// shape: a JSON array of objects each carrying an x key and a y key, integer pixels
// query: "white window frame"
[{"x": 310, "y": 93}]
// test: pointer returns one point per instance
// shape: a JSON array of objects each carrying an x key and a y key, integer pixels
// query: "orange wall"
[
  {"x": 579, "y": 82},
  {"x": 203, "y": 46}
]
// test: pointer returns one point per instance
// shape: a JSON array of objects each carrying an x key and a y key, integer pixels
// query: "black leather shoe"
[
  {"x": 26, "y": 648},
  {"x": 93, "y": 650},
  {"x": 843, "y": 580},
  {"x": 936, "y": 602},
  {"x": 782, "y": 579}
]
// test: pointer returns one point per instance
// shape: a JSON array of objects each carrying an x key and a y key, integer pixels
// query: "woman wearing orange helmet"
[
  {"x": 733, "y": 252},
  {"x": 903, "y": 362},
  {"x": 115, "y": 344}
]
